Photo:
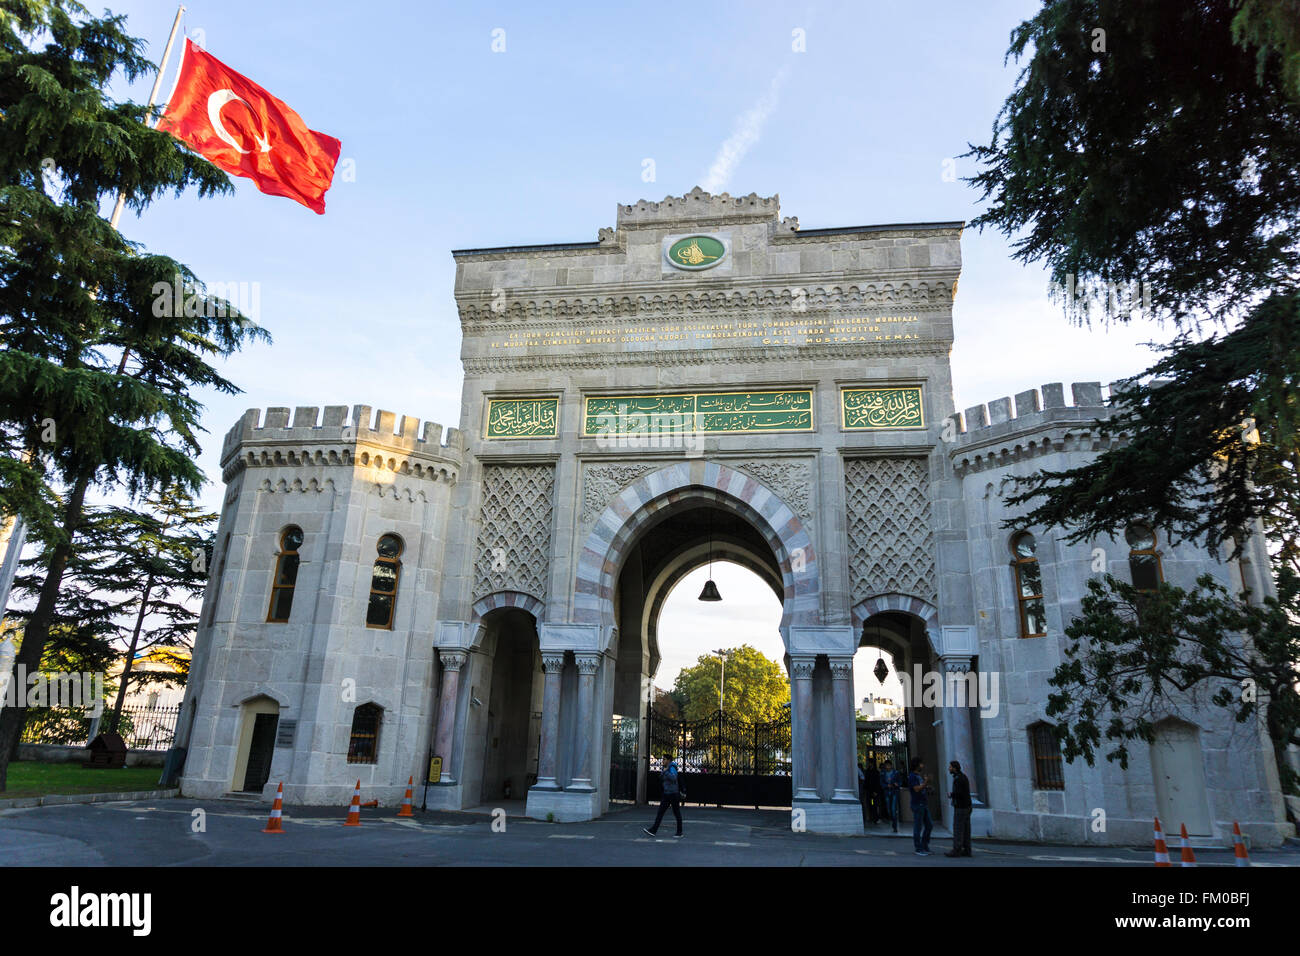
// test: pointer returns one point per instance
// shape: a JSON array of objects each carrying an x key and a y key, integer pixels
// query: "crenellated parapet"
[
  {"x": 1037, "y": 422},
  {"x": 382, "y": 441},
  {"x": 698, "y": 205}
]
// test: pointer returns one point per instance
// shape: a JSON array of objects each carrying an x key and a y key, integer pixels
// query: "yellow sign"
[{"x": 435, "y": 769}]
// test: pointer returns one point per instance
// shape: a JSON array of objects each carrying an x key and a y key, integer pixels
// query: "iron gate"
[
  {"x": 723, "y": 759},
  {"x": 622, "y": 761}
]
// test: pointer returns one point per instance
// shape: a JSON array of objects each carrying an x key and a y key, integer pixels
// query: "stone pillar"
[
  {"x": 547, "y": 758},
  {"x": 844, "y": 720},
  {"x": 452, "y": 662},
  {"x": 588, "y": 664},
  {"x": 801, "y": 705},
  {"x": 957, "y": 716}
]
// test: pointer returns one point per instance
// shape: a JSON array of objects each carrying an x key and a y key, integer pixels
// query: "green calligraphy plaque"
[
  {"x": 743, "y": 412},
  {"x": 865, "y": 409},
  {"x": 523, "y": 418}
]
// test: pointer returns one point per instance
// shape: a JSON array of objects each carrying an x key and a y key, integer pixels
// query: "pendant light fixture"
[{"x": 710, "y": 592}]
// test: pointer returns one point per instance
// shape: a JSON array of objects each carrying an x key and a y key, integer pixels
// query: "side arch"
[
  {"x": 865, "y": 609},
  {"x": 499, "y": 599}
]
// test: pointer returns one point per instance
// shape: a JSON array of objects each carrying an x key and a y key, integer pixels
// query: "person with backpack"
[{"x": 673, "y": 794}]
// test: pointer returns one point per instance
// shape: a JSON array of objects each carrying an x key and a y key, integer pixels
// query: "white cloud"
[{"x": 749, "y": 128}]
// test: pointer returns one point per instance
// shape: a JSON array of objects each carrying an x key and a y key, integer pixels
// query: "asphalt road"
[{"x": 164, "y": 833}]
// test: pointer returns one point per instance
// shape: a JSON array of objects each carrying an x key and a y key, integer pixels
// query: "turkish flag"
[{"x": 246, "y": 131}]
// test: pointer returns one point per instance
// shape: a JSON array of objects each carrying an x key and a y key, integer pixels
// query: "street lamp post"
[{"x": 722, "y": 679}]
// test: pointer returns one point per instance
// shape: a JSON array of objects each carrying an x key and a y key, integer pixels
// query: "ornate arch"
[
  {"x": 637, "y": 507},
  {"x": 498, "y": 599},
  {"x": 865, "y": 609}
]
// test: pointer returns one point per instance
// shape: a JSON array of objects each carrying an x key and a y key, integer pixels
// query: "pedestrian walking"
[
  {"x": 961, "y": 807},
  {"x": 918, "y": 782},
  {"x": 673, "y": 793}
]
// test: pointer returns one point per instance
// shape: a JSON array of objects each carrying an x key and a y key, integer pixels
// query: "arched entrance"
[
  {"x": 903, "y": 635},
  {"x": 259, "y": 721},
  {"x": 511, "y": 711},
  {"x": 727, "y": 757},
  {"x": 763, "y": 531}
]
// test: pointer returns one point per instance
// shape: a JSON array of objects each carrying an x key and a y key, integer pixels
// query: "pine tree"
[
  {"x": 98, "y": 370},
  {"x": 1155, "y": 145}
]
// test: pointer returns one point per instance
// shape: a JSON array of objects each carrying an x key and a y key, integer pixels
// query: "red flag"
[{"x": 246, "y": 131}]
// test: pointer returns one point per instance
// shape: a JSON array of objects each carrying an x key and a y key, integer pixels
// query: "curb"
[{"x": 62, "y": 799}]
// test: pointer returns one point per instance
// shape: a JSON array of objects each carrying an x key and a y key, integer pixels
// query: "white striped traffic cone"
[
  {"x": 1189, "y": 858},
  {"x": 1239, "y": 846},
  {"x": 1162, "y": 851},
  {"x": 354, "y": 811},
  {"x": 275, "y": 824},
  {"x": 406, "y": 810}
]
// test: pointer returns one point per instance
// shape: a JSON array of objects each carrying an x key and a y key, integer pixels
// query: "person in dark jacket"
[
  {"x": 672, "y": 797},
  {"x": 961, "y": 807},
  {"x": 874, "y": 794}
]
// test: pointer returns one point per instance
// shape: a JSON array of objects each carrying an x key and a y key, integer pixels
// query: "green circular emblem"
[{"x": 696, "y": 252}]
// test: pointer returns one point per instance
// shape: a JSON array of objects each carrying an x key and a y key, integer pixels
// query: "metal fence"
[{"x": 142, "y": 728}]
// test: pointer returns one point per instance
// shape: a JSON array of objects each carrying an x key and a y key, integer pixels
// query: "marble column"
[
  {"x": 547, "y": 758},
  {"x": 588, "y": 664},
  {"x": 957, "y": 714},
  {"x": 844, "y": 720},
  {"x": 445, "y": 739},
  {"x": 801, "y": 705}
]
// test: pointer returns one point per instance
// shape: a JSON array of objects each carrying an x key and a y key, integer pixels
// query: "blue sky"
[{"x": 458, "y": 146}]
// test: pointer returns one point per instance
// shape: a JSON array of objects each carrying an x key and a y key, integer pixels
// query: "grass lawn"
[{"x": 27, "y": 779}]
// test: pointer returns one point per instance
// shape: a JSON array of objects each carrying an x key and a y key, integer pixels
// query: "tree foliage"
[
  {"x": 755, "y": 687},
  {"x": 98, "y": 371},
  {"x": 1133, "y": 654},
  {"x": 1158, "y": 142}
]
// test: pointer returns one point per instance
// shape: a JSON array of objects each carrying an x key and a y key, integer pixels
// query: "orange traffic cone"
[
  {"x": 1162, "y": 851},
  {"x": 406, "y": 810},
  {"x": 1189, "y": 858},
  {"x": 1239, "y": 846},
  {"x": 354, "y": 811},
  {"x": 274, "y": 824}
]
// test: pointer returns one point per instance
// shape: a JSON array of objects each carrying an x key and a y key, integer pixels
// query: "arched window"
[
  {"x": 1029, "y": 586},
  {"x": 286, "y": 575},
  {"x": 383, "y": 582},
  {"x": 363, "y": 745},
  {"x": 1048, "y": 774},
  {"x": 1143, "y": 560}
]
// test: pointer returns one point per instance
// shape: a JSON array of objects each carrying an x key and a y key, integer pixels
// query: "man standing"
[
  {"x": 918, "y": 783},
  {"x": 961, "y": 806},
  {"x": 873, "y": 791},
  {"x": 890, "y": 782}
]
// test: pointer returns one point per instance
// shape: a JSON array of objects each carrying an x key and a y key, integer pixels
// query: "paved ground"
[{"x": 161, "y": 833}]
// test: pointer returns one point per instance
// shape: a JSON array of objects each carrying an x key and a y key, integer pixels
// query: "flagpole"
[
  {"x": 153, "y": 98},
  {"x": 13, "y": 531}
]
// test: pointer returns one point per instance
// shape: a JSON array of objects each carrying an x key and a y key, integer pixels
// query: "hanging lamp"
[{"x": 710, "y": 592}]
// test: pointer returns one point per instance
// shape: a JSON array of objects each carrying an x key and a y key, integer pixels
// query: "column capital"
[
  {"x": 956, "y": 663},
  {"x": 553, "y": 663},
  {"x": 587, "y": 663},
  {"x": 452, "y": 660},
  {"x": 801, "y": 668},
  {"x": 841, "y": 668}
]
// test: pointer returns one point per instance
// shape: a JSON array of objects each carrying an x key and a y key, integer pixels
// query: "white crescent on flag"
[{"x": 219, "y": 99}]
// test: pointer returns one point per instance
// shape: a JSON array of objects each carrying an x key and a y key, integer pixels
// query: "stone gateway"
[{"x": 706, "y": 375}]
